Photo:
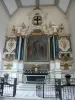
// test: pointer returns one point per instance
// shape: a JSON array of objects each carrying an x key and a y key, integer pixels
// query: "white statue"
[
  {"x": 50, "y": 28},
  {"x": 53, "y": 28},
  {"x": 23, "y": 28},
  {"x": 14, "y": 30}
]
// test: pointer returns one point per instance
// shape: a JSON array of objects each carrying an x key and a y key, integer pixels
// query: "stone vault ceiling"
[{"x": 12, "y": 6}]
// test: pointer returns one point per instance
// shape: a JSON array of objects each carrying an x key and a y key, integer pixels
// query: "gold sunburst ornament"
[
  {"x": 36, "y": 68},
  {"x": 66, "y": 66}
]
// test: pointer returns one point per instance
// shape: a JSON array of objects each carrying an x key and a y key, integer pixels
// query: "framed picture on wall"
[{"x": 37, "y": 48}]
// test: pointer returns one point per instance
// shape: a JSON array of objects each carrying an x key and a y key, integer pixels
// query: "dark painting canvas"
[{"x": 37, "y": 48}]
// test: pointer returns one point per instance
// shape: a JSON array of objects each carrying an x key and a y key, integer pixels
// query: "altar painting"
[{"x": 37, "y": 48}]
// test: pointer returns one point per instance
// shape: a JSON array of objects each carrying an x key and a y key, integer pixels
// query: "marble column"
[{"x": 58, "y": 79}]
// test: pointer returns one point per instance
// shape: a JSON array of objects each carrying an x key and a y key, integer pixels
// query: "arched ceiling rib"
[{"x": 13, "y": 5}]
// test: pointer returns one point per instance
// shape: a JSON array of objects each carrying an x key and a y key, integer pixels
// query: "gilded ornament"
[
  {"x": 8, "y": 66},
  {"x": 66, "y": 66}
]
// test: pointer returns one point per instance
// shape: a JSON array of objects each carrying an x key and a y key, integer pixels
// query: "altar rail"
[
  {"x": 59, "y": 91},
  {"x": 8, "y": 88}
]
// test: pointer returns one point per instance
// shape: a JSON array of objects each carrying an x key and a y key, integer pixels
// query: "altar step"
[
  {"x": 27, "y": 87},
  {"x": 25, "y": 98},
  {"x": 32, "y": 87}
]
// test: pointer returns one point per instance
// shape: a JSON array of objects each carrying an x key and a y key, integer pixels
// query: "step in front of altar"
[
  {"x": 32, "y": 87},
  {"x": 27, "y": 87}
]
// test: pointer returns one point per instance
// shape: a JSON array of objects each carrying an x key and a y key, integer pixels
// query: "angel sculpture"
[
  {"x": 53, "y": 28},
  {"x": 14, "y": 30},
  {"x": 50, "y": 28},
  {"x": 23, "y": 28}
]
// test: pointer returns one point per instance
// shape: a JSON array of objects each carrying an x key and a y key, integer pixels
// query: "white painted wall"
[
  {"x": 54, "y": 14},
  {"x": 71, "y": 19},
  {"x": 4, "y": 19}
]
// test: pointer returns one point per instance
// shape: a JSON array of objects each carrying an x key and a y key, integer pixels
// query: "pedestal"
[
  {"x": 57, "y": 69},
  {"x": 52, "y": 68},
  {"x": 58, "y": 79},
  {"x": 19, "y": 67},
  {"x": 20, "y": 71}
]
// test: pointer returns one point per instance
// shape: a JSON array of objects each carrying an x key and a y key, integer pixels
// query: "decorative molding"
[
  {"x": 51, "y": 29},
  {"x": 64, "y": 57},
  {"x": 10, "y": 45},
  {"x": 8, "y": 65},
  {"x": 9, "y": 49}
]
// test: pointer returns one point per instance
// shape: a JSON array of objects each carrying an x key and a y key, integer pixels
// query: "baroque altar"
[{"x": 39, "y": 43}]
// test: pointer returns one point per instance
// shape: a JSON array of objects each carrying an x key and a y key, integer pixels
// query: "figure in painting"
[
  {"x": 34, "y": 48},
  {"x": 37, "y": 47},
  {"x": 30, "y": 51},
  {"x": 42, "y": 50}
]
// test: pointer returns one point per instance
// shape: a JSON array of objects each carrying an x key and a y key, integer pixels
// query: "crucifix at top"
[{"x": 37, "y": 20}]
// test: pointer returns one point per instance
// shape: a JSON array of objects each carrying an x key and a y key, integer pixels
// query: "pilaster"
[
  {"x": 57, "y": 69},
  {"x": 52, "y": 66}
]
